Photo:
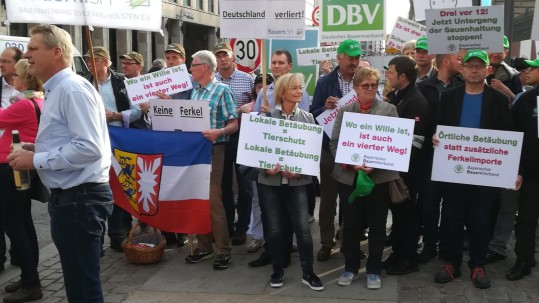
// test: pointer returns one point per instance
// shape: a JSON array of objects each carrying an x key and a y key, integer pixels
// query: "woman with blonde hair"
[
  {"x": 15, "y": 205},
  {"x": 283, "y": 194}
]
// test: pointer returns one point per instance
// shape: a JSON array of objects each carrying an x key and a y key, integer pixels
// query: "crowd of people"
[{"x": 64, "y": 119}]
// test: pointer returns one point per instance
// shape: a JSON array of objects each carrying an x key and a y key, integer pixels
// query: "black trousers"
[{"x": 528, "y": 212}]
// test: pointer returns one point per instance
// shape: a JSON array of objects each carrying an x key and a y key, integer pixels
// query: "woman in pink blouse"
[{"x": 15, "y": 205}]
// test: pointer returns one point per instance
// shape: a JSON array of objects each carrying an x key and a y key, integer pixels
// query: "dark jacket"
[
  {"x": 509, "y": 77},
  {"x": 411, "y": 104},
  {"x": 118, "y": 87},
  {"x": 326, "y": 86},
  {"x": 495, "y": 113},
  {"x": 525, "y": 120}
]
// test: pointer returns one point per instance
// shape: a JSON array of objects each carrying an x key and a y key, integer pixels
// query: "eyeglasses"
[
  {"x": 129, "y": 63},
  {"x": 474, "y": 66},
  {"x": 15, "y": 75},
  {"x": 196, "y": 64},
  {"x": 368, "y": 86},
  {"x": 5, "y": 61}
]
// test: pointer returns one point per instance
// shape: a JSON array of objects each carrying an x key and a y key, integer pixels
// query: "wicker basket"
[{"x": 139, "y": 250}]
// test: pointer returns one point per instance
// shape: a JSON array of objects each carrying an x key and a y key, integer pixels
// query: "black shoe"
[
  {"x": 263, "y": 260},
  {"x": 222, "y": 261},
  {"x": 313, "y": 281},
  {"x": 493, "y": 256},
  {"x": 239, "y": 238},
  {"x": 198, "y": 256},
  {"x": 277, "y": 279},
  {"x": 389, "y": 261},
  {"x": 428, "y": 253},
  {"x": 324, "y": 254},
  {"x": 518, "y": 271},
  {"x": 479, "y": 278},
  {"x": 447, "y": 274},
  {"x": 403, "y": 267},
  {"x": 116, "y": 244},
  {"x": 182, "y": 240},
  {"x": 24, "y": 295},
  {"x": 13, "y": 287}
]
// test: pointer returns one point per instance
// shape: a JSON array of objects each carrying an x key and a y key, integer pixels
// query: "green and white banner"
[{"x": 361, "y": 20}]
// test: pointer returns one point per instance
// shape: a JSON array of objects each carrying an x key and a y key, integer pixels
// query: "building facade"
[{"x": 193, "y": 23}]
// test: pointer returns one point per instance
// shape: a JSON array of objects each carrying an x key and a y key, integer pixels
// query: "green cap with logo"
[
  {"x": 534, "y": 63},
  {"x": 222, "y": 47},
  {"x": 350, "y": 47},
  {"x": 505, "y": 42},
  {"x": 422, "y": 43},
  {"x": 177, "y": 48},
  {"x": 99, "y": 51},
  {"x": 477, "y": 53},
  {"x": 133, "y": 56}
]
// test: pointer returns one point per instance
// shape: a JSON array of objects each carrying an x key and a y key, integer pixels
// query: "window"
[
  {"x": 211, "y": 6},
  {"x": 200, "y": 4}
]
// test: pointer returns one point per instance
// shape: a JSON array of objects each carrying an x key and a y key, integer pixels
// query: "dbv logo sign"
[{"x": 343, "y": 15}]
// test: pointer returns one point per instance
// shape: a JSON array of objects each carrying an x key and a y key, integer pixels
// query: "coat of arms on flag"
[{"x": 162, "y": 178}]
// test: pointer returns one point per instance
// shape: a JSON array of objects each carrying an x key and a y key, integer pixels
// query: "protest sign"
[
  {"x": 421, "y": 5},
  {"x": 180, "y": 115},
  {"x": 376, "y": 141},
  {"x": 477, "y": 156},
  {"x": 310, "y": 73},
  {"x": 266, "y": 141},
  {"x": 327, "y": 118},
  {"x": 450, "y": 30},
  {"x": 403, "y": 31},
  {"x": 265, "y": 19},
  {"x": 361, "y": 20},
  {"x": 134, "y": 15},
  {"x": 247, "y": 53},
  {"x": 168, "y": 81},
  {"x": 315, "y": 55}
]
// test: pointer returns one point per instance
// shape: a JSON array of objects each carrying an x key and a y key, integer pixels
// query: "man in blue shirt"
[{"x": 72, "y": 157}]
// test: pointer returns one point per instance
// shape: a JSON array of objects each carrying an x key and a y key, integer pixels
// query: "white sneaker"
[
  {"x": 346, "y": 278},
  {"x": 255, "y": 245},
  {"x": 373, "y": 281}
]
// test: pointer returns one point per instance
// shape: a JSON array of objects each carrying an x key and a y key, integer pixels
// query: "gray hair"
[
  {"x": 54, "y": 36},
  {"x": 207, "y": 57},
  {"x": 159, "y": 63},
  {"x": 409, "y": 45}
]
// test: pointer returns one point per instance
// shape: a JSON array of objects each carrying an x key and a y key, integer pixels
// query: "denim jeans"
[
  {"x": 473, "y": 205},
  {"x": 281, "y": 203},
  {"x": 78, "y": 218},
  {"x": 16, "y": 210},
  {"x": 245, "y": 192}
]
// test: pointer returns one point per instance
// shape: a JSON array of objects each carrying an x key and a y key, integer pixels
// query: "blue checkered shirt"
[
  {"x": 345, "y": 86},
  {"x": 222, "y": 104},
  {"x": 241, "y": 84}
]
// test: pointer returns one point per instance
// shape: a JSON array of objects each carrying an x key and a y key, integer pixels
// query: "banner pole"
[
  {"x": 264, "y": 73},
  {"x": 92, "y": 58}
]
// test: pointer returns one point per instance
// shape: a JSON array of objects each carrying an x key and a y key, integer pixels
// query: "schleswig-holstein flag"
[{"x": 162, "y": 178}]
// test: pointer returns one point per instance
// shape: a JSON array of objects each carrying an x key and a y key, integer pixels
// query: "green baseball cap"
[
  {"x": 99, "y": 51},
  {"x": 386, "y": 67},
  {"x": 534, "y": 63},
  {"x": 422, "y": 44},
  {"x": 505, "y": 42},
  {"x": 477, "y": 53},
  {"x": 350, "y": 47},
  {"x": 133, "y": 56}
]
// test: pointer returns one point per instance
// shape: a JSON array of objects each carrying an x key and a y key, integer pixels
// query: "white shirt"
[{"x": 8, "y": 91}]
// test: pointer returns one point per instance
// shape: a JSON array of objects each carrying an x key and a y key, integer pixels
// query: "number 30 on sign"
[{"x": 247, "y": 53}]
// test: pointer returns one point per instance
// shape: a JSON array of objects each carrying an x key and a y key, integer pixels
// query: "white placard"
[
  {"x": 327, "y": 118},
  {"x": 266, "y": 141},
  {"x": 403, "y": 31},
  {"x": 180, "y": 115},
  {"x": 129, "y": 14},
  {"x": 535, "y": 26},
  {"x": 421, "y": 5},
  {"x": 449, "y": 30},
  {"x": 265, "y": 19},
  {"x": 168, "y": 81},
  {"x": 378, "y": 141},
  {"x": 315, "y": 55},
  {"x": 477, "y": 156}
]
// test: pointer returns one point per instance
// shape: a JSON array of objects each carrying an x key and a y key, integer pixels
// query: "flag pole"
[{"x": 92, "y": 58}]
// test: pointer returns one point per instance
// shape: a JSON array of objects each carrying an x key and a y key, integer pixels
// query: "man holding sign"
[{"x": 474, "y": 105}]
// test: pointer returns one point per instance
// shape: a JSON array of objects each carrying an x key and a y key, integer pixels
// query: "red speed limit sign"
[
  {"x": 247, "y": 53},
  {"x": 316, "y": 16}
]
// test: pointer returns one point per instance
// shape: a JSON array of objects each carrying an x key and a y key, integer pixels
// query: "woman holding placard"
[
  {"x": 283, "y": 194},
  {"x": 374, "y": 206}
]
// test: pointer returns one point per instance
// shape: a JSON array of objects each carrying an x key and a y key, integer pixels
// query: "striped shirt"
[
  {"x": 346, "y": 86},
  {"x": 222, "y": 104},
  {"x": 240, "y": 83}
]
